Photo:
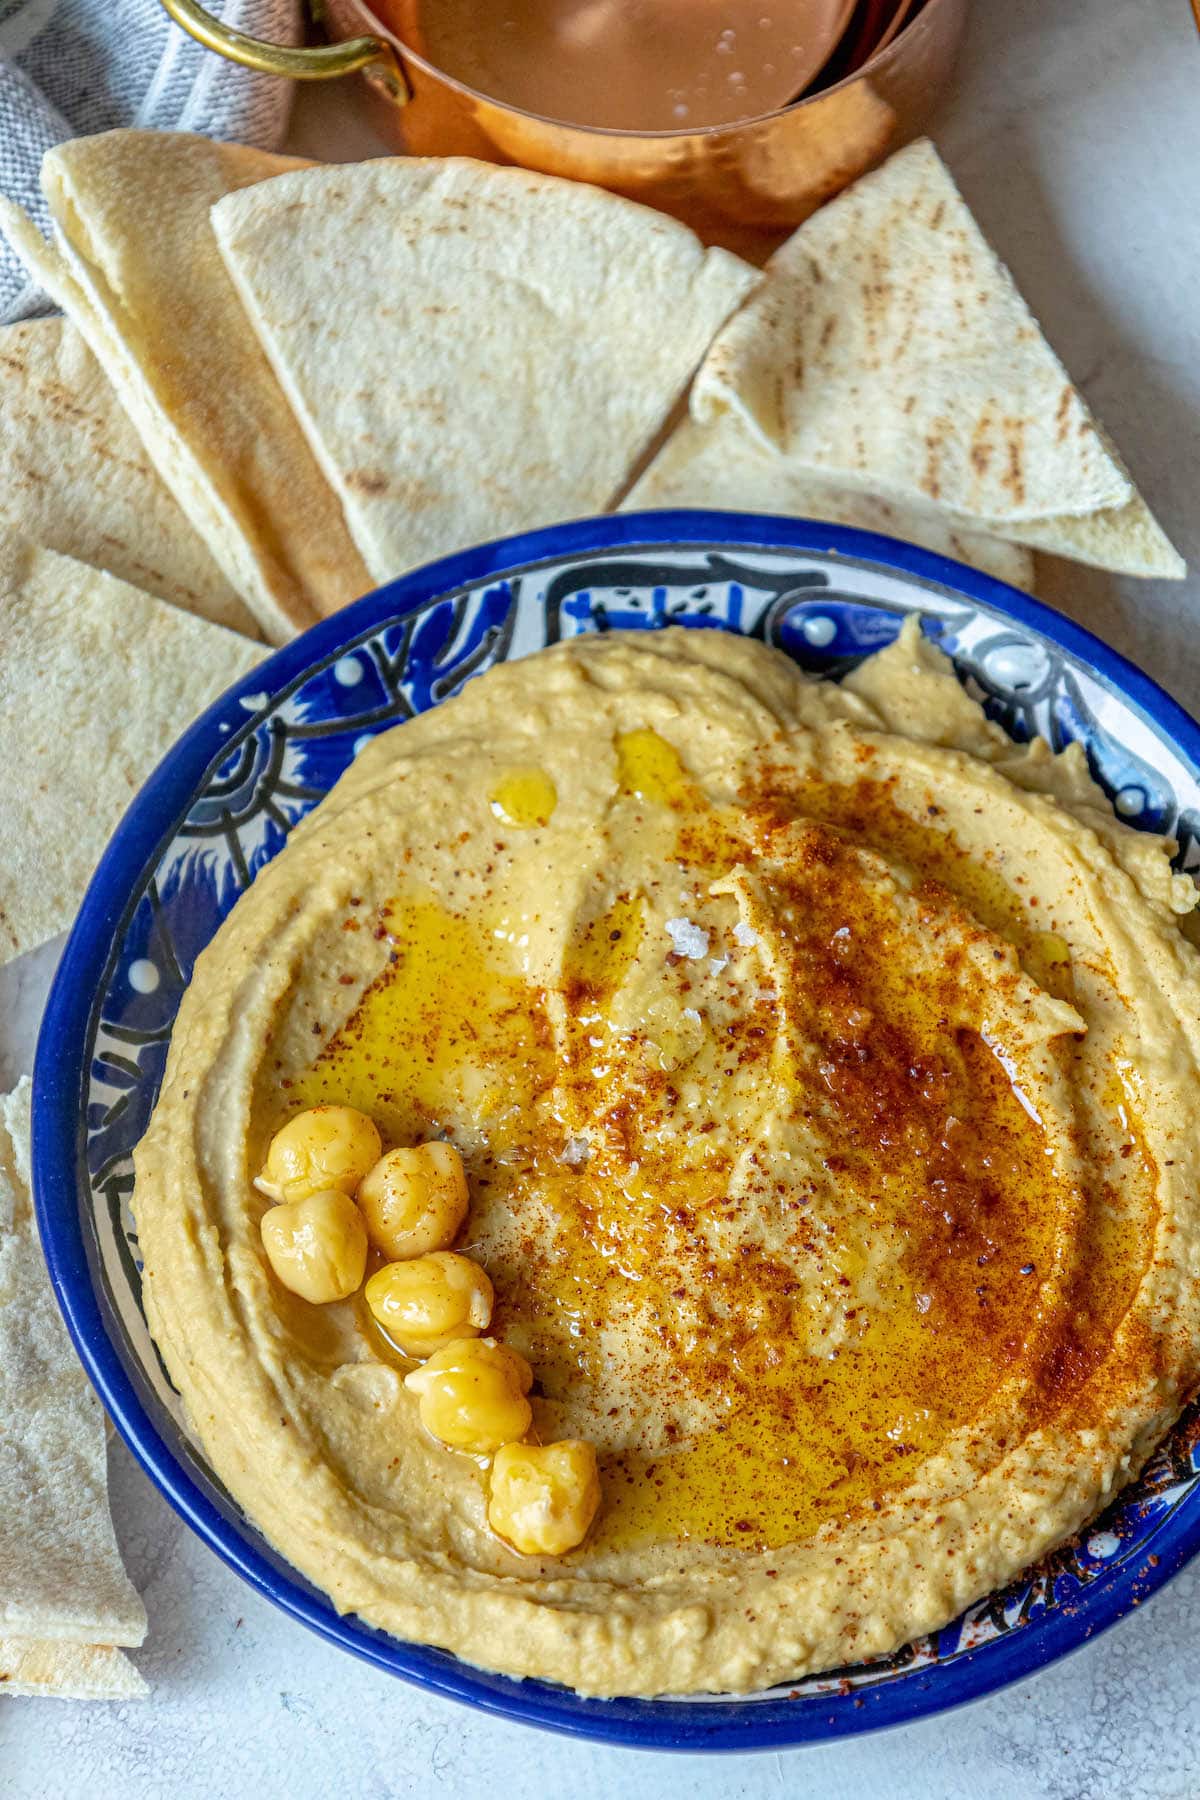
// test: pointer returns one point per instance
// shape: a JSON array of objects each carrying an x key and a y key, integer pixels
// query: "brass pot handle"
[{"x": 317, "y": 62}]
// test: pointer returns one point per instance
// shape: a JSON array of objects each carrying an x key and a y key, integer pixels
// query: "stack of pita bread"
[
  {"x": 65, "y": 1600},
  {"x": 277, "y": 384},
  {"x": 341, "y": 372},
  {"x": 96, "y": 678}
]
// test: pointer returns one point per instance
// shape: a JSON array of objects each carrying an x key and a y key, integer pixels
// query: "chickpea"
[
  {"x": 415, "y": 1200},
  {"x": 317, "y": 1246},
  {"x": 431, "y": 1300},
  {"x": 326, "y": 1147},
  {"x": 542, "y": 1499},
  {"x": 472, "y": 1395}
]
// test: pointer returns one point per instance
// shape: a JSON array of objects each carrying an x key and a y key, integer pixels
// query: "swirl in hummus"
[{"x": 825, "y": 1070}]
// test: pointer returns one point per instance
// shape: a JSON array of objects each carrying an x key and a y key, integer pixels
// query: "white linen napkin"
[{"x": 72, "y": 67}]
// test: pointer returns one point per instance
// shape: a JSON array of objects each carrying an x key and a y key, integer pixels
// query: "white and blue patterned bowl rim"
[{"x": 828, "y": 594}]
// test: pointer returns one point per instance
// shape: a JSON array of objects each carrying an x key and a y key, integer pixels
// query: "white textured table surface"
[{"x": 1075, "y": 132}]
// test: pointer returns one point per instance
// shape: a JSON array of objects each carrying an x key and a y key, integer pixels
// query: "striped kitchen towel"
[{"x": 72, "y": 67}]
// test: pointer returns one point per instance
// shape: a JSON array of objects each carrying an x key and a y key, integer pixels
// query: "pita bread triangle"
[
  {"x": 79, "y": 480},
  {"x": 513, "y": 344},
  {"x": 57, "y": 1670},
  {"x": 135, "y": 266},
  {"x": 127, "y": 673},
  {"x": 889, "y": 350}
]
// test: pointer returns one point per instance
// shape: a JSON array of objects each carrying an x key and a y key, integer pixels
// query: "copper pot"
[{"x": 732, "y": 183}]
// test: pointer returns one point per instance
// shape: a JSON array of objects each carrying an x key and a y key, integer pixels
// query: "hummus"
[{"x": 825, "y": 1070}]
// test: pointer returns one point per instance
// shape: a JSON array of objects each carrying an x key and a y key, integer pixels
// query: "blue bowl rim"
[{"x": 669, "y": 1724}]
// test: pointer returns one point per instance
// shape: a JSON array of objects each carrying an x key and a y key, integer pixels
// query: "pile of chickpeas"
[{"x": 337, "y": 1194}]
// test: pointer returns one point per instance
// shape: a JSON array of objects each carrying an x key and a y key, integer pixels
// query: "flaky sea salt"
[
  {"x": 745, "y": 935},
  {"x": 687, "y": 939}
]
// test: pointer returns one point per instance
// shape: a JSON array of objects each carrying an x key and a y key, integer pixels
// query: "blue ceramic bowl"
[{"x": 220, "y": 806}]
